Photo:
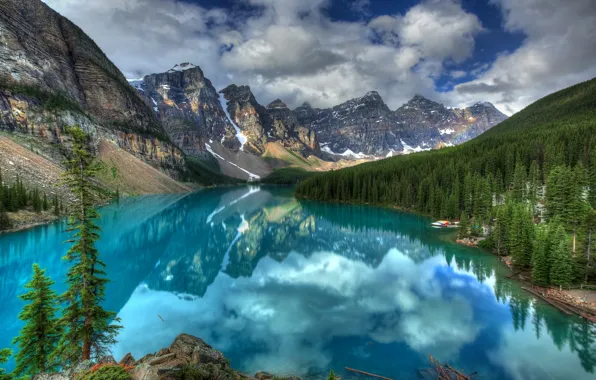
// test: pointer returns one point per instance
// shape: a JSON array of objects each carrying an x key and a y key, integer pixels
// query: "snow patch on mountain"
[
  {"x": 446, "y": 131},
  {"x": 182, "y": 67},
  {"x": 239, "y": 135},
  {"x": 408, "y": 149},
  {"x": 251, "y": 176},
  {"x": 136, "y": 83},
  {"x": 348, "y": 153}
]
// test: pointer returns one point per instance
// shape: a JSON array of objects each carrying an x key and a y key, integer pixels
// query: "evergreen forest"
[{"x": 528, "y": 186}]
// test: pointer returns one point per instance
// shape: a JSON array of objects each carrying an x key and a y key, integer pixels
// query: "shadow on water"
[{"x": 298, "y": 287}]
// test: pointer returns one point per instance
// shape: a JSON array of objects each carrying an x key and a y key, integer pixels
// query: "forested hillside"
[{"x": 498, "y": 181}]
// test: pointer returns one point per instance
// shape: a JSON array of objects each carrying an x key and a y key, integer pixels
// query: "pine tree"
[
  {"x": 464, "y": 226},
  {"x": 540, "y": 257},
  {"x": 519, "y": 181},
  {"x": 500, "y": 232},
  {"x": 482, "y": 201},
  {"x": 4, "y": 356},
  {"x": 520, "y": 234},
  {"x": 557, "y": 191},
  {"x": 592, "y": 179},
  {"x": 4, "y": 220},
  {"x": 88, "y": 326},
  {"x": 41, "y": 333},
  {"x": 576, "y": 206},
  {"x": 561, "y": 270},
  {"x": 590, "y": 244},
  {"x": 44, "y": 204},
  {"x": 55, "y": 205},
  {"x": 535, "y": 184}
]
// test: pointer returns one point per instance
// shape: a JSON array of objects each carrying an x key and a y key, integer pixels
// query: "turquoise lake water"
[{"x": 300, "y": 288}]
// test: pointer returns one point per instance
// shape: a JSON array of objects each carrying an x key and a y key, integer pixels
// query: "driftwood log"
[{"x": 367, "y": 374}]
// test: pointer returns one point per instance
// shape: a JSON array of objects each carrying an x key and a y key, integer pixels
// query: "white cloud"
[
  {"x": 292, "y": 50},
  {"x": 559, "y": 51},
  {"x": 288, "y": 49},
  {"x": 439, "y": 29},
  {"x": 458, "y": 74}
]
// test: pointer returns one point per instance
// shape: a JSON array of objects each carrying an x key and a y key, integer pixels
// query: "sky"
[{"x": 457, "y": 52}]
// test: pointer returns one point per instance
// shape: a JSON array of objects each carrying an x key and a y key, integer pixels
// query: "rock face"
[
  {"x": 53, "y": 75},
  {"x": 260, "y": 125},
  {"x": 189, "y": 108},
  {"x": 186, "y": 354},
  {"x": 362, "y": 125},
  {"x": 367, "y": 127}
]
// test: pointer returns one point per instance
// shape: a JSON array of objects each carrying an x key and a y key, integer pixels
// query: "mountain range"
[
  {"x": 166, "y": 130},
  {"x": 362, "y": 128}
]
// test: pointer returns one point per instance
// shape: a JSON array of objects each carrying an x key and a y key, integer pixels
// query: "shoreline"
[
  {"x": 583, "y": 307},
  {"x": 31, "y": 224}
]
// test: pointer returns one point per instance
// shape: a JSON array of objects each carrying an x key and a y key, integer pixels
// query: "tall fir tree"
[
  {"x": 55, "y": 206},
  {"x": 499, "y": 232},
  {"x": 561, "y": 268},
  {"x": 5, "y": 354},
  {"x": 40, "y": 335},
  {"x": 534, "y": 185},
  {"x": 557, "y": 191},
  {"x": 519, "y": 181},
  {"x": 590, "y": 244},
  {"x": 592, "y": 179},
  {"x": 89, "y": 328},
  {"x": 576, "y": 205},
  {"x": 464, "y": 226},
  {"x": 5, "y": 222},
  {"x": 540, "y": 257},
  {"x": 520, "y": 233}
]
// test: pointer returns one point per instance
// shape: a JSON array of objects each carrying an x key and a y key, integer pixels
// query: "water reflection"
[{"x": 299, "y": 287}]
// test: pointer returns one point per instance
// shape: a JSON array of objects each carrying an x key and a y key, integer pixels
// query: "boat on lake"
[{"x": 444, "y": 224}]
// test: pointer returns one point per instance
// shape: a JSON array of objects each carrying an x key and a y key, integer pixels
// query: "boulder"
[
  {"x": 145, "y": 372},
  {"x": 194, "y": 350},
  {"x": 128, "y": 360},
  {"x": 162, "y": 359}
]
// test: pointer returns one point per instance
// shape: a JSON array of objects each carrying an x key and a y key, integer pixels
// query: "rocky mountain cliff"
[
  {"x": 53, "y": 75},
  {"x": 260, "y": 125},
  {"x": 366, "y": 127},
  {"x": 189, "y": 108}
]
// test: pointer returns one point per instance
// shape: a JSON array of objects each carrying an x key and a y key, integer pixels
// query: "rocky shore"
[{"x": 188, "y": 357}]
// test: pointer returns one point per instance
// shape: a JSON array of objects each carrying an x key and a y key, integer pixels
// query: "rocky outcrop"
[
  {"x": 26, "y": 115},
  {"x": 42, "y": 49},
  {"x": 288, "y": 130},
  {"x": 189, "y": 108},
  {"x": 251, "y": 117},
  {"x": 187, "y": 354},
  {"x": 275, "y": 123},
  {"x": 362, "y": 125},
  {"x": 365, "y": 126},
  {"x": 53, "y": 75}
]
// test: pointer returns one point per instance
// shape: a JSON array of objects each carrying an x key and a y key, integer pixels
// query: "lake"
[{"x": 299, "y": 288}]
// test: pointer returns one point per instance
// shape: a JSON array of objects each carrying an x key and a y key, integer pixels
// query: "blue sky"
[{"x": 458, "y": 52}]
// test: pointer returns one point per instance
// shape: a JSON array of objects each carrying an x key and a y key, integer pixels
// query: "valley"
[{"x": 264, "y": 175}]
